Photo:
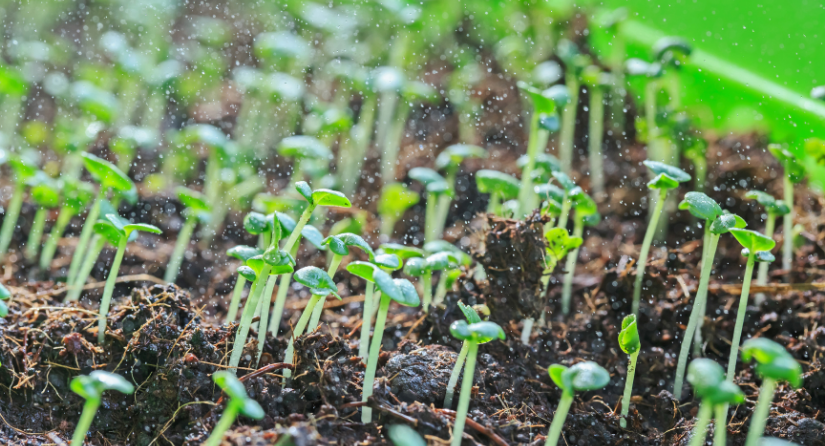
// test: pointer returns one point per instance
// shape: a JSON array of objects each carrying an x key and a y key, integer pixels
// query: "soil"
[{"x": 169, "y": 339}]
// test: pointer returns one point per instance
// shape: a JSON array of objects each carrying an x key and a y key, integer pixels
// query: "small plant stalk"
[
  {"x": 10, "y": 219},
  {"x": 570, "y": 267},
  {"x": 85, "y": 235},
  {"x": 762, "y": 271},
  {"x": 560, "y": 416},
  {"x": 50, "y": 247},
  {"x": 232, "y": 313},
  {"x": 35, "y": 234},
  {"x": 372, "y": 360},
  {"x": 459, "y": 363},
  {"x": 444, "y": 201},
  {"x": 700, "y": 426},
  {"x": 696, "y": 314},
  {"x": 740, "y": 315},
  {"x": 568, "y": 124},
  {"x": 108, "y": 290},
  {"x": 227, "y": 418},
  {"x": 527, "y": 329},
  {"x": 427, "y": 285},
  {"x": 361, "y": 137},
  {"x": 526, "y": 190},
  {"x": 441, "y": 288},
  {"x": 466, "y": 393},
  {"x": 720, "y": 425},
  {"x": 366, "y": 318},
  {"x": 595, "y": 142},
  {"x": 761, "y": 412},
  {"x": 430, "y": 216},
  {"x": 85, "y": 422},
  {"x": 280, "y": 299},
  {"x": 393, "y": 142},
  {"x": 700, "y": 167},
  {"x": 494, "y": 205},
  {"x": 176, "y": 260},
  {"x": 565, "y": 213},
  {"x": 265, "y": 302},
  {"x": 640, "y": 267},
  {"x": 300, "y": 327},
  {"x": 787, "y": 230},
  {"x": 319, "y": 309},
  {"x": 628, "y": 388},
  {"x": 76, "y": 288},
  {"x": 246, "y": 318}
]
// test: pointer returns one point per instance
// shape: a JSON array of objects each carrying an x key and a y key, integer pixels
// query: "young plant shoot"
[
  {"x": 23, "y": 169},
  {"x": 435, "y": 186},
  {"x": 710, "y": 386},
  {"x": 586, "y": 214},
  {"x": 574, "y": 64},
  {"x": 499, "y": 185},
  {"x": 559, "y": 243},
  {"x": 773, "y": 364},
  {"x": 76, "y": 196},
  {"x": 581, "y": 377},
  {"x": 571, "y": 193},
  {"x": 242, "y": 253},
  {"x": 665, "y": 178},
  {"x": 474, "y": 334},
  {"x": 302, "y": 149},
  {"x": 395, "y": 200},
  {"x": 794, "y": 174},
  {"x": 5, "y": 296},
  {"x": 402, "y": 292},
  {"x": 45, "y": 194},
  {"x": 544, "y": 110},
  {"x": 91, "y": 388},
  {"x": 630, "y": 344},
  {"x": 449, "y": 160},
  {"x": 774, "y": 208},
  {"x": 472, "y": 317},
  {"x": 239, "y": 403},
  {"x": 196, "y": 208},
  {"x": 118, "y": 234},
  {"x": 598, "y": 82}
]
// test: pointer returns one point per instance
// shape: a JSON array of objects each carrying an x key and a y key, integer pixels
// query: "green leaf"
[
  {"x": 425, "y": 175},
  {"x": 106, "y": 173},
  {"x": 281, "y": 262},
  {"x": 705, "y": 375},
  {"x": 4, "y": 310},
  {"x": 385, "y": 284},
  {"x": 280, "y": 87},
  {"x": 409, "y": 295},
  {"x": 247, "y": 273},
  {"x": 549, "y": 192},
  {"x": 453, "y": 155},
  {"x": 773, "y": 361},
  {"x": 111, "y": 232},
  {"x": 4, "y": 293},
  {"x": 45, "y": 194},
  {"x": 419, "y": 91},
  {"x": 142, "y": 227},
  {"x": 304, "y": 147},
  {"x": 753, "y": 240},
  {"x": 326, "y": 197},
  {"x": 403, "y": 435},
  {"x": 282, "y": 45},
  {"x": 303, "y": 188},
  {"x": 403, "y": 252},
  {"x": 493, "y": 181},
  {"x": 543, "y": 105},
  {"x": 441, "y": 261},
  {"x": 565, "y": 182},
  {"x": 551, "y": 123},
  {"x": 437, "y": 246},
  {"x": 663, "y": 181},
  {"x": 287, "y": 223},
  {"x": 629, "y": 336},
  {"x": 556, "y": 371},
  {"x": 256, "y": 263},
  {"x": 387, "y": 261},
  {"x": 674, "y": 173},
  {"x": 469, "y": 313},
  {"x": 415, "y": 267},
  {"x": 559, "y": 243},
  {"x": 230, "y": 384},
  {"x": 764, "y": 256},
  {"x": 727, "y": 393},
  {"x": 479, "y": 332},
  {"x": 357, "y": 241},
  {"x": 243, "y": 252},
  {"x": 313, "y": 236},
  {"x": 727, "y": 222},
  {"x": 395, "y": 200},
  {"x": 192, "y": 199},
  {"x": 256, "y": 223},
  {"x": 99, "y": 103},
  {"x": 793, "y": 169},
  {"x": 250, "y": 408},
  {"x": 701, "y": 206},
  {"x": 584, "y": 205},
  {"x": 384, "y": 79},
  {"x": 336, "y": 245},
  {"x": 317, "y": 280},
  {"x": 363, "y": 270},
  {"x": 92, "y": 386},
  {"x": 585, "y": 376}
]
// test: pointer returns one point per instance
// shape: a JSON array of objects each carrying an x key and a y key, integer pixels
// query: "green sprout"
[
  {"x": 774, "y": 208},
  {"x": 118, "y": 234},
  {"x": 76, "y": 196},
  {"x": 709, "y": 384},
  {"x": 499, "y": 185},
  {"x": 411, "y": 92},
  {"x": 435, "y": 186},
  {"x": 239, "y": 403},
  {"x": 14, "y": 87},
  {"x": 450, "y": 160},
  {"x": 5, "y": 295},
  {"x": 46, "y": 195},
  {"x": 571, "y": 192},
  {"x": 91, "y": 388},
  {"x": 472, "y": 317},
  {"x": 552, "y": 198},
  {"x": 128, "y": 141},
  {"x": 559, "y": 243},
  {"x": 597, "y": 83},
  {"x": 242, "y": 253},
  {"x": 97, "y": 243},
  {"x": 794, "y": 174},
  {"x": 544, "y": 111},
  {"x": 110, "y": 178},
  {"x": 630, "y": 344},
  {"x": 195, "y": 208},
  {"x": 93, "y": 101},
  {"x": 23, "y": 169},
  {"x": 395, "y": 200},
  {"x": 586, "y": 215},
  {"x": 402, "y": 292},
  {"x": 581, "y": 377},
  {"x": 383, "y": 262},
  {"x": 474, "y": 334},
  {"x": 666, "y": 178},
  {"x": 403, "y": 435},
  {"x": 574, "y": 64},
  {"x": 424, "y": 267},
  {"x": 716, "y": 223},
  {"x": 773, "y": 364},
  {"x": 302, "y": 149},
  {"x": 757, "y": 248}
]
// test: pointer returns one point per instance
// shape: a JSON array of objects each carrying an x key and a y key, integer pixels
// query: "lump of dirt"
[
  {"x": 422, "y": 374},
  {"x": 807, "y": 431},
  {"x": 326, "y": 369}
]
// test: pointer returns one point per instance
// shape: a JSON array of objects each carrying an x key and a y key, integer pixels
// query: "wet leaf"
[
  {"x": 469, "y": 313},
  {"x": 701, "y": 206},
  {"x": 247, "y": 273},
  {"x": 304, "y": 147},
  {"x": 409, "y": 295},
  {"x": 403, "y": 252},
  {"x": 106, "y": 173},
  {"x": 425, "y": 175},
  {"x": 415, "y": 267},
  {"x": 479, "y": 332},
  {"x": 387, "y": 261},
  {"x": 326, "y": 197},
  {"x": 453, "y": 155},
  {"x": 493, "y": 181},
  {"x": 584, "y": 376},
  {"x": 192, "y": 199},
  {"x": 704, "y": 375},
  {"x": 396, "y": 199},
  {"x": 243, "y": 252},
  {"x": 256, "y": 223},
  {"x": 752, "y": 240}
]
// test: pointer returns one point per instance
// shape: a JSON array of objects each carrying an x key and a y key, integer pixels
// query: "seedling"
[
  {"x": 571, "y": 192},
  {"x": 709, "y": 384},
  {"x": 757, "y": 248},
  {"x": 794, "y": 174},
  {"x": 597, "y": 83},
  {"x": 552, "y": 198},
  {"x": 395, "y": 200},
  {"x": 773, "y": 364},
  {"x": 76, "y": 196},
  {"x": 581, "y": 377},
  {"x": 472, "y": 318},
  {"x": 630, "y": 344},
  {"x": 411, "y": 92},
  {"x": 435, "y": 186},
  {"x": 45, "y": 194},
  {"x": 666, "y": 178},
  {"x": 195, "y": 208},
  {"x": 586, "y": 215},
  {"x": 424, "y": 267},
  {"x": 364, "y": 270},
  {"x": 544, "y": 108},
  {"x": 239, "y": 403},
  {"x": 716, "y": 223},
  {"x": 5, "y": 295},
  {"x": 499, "y": 185},
  {"x": 110, "y": 178},
  {"x": 91, "y": 388},
  {"x": 559, "y": 243},
  {"x": 402, "y": 251},
  {"x": 302, "y": 149},
  {"x": 242, "y": 253},
  {"x": 774, "y": 208},
  {"x": 118, "y": 234},
  {"x": 574, "y": 64},
  {"x": 450, "y": 160},
  {"x": 23, "y": 169},
  {"x": 474, "y": 334},
  {"x": 97, "y": 244},
  {"x": 128, "y": 141},
  {"x": 403, "y": 435}
]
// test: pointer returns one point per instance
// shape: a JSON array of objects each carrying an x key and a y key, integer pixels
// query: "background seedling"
[
  {"x": 91, "y": 388},
  {"x": 196, "y": 208},
  {"x": 597, "y": 83},
  {"x": 559, "y": 243},
  {"x": 302, "y": 149},
  {"x": 472, "y": 318},
  {"x": 395, "y": 200},
  {"x": 499, "y": 185},
  {"x": 474, "y": 334},
  {"x": 46, "y": 195},
  {"x": 571, "y": 192},
  {"x": 403, "y": 435},
  {"x": 242, "y": 253},
  {"x": 544, "y": 107},
  {"x": 708, "y": 381},
  {"x": 449, "y": 160},
  {"x": 586, "y": 215},
  {"x": 239, "y": 403},
  {"x": 5, "y": 296},
  {"x": 794, "y": 173},
  {"x": 630, "y": 344},
  {"x": 24, "y": 168},
  {"x": 411, "y": 92},
  {"x": 435, "y": 186},
  {"x": 581, "y": 377},
  {"x": 773, "y": 364},
  {"x": 76, "y": 196},
  {"x": 574, "y": 63},
  {"x": 773, "y": 208}
]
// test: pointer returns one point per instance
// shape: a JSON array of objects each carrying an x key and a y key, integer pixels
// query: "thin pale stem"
[
  {"x": 366, "y": 322},
  {"x": 527, "y": 172},
  {"x": 85, "y": 422},
  {"x": 76, "y": 288},
  {"x": 565, "y": 212},
  {"x": 10, "y": 219},
  {"x": 494, "y": 205},
  {"x": 700, "y": 426},
  {"x": 427, "y": 284},
  {"x": 570, "y": 268},
  {"x": 296, "y": 233},
  {"x": 441, "y": 288},
  {"x": 444, "y": 201},
  {"x": 568, "y": 124},
  {"x": 466, "y": 393},
  {"x": 85, "y": 235},
  {"x": 787, "y": 228},
  {"x": 459, "y": 363},
  {"x": 265, "y": 303},
  {"x": 430, "y": 229},
  {"x": 319, "y": 309},
  {"x": 372, "y": 360},
  {"x": 640, "y": 267},
  {"x": 761, "y": 412},
  {"x": 246, "y": 318},
  {"x": 176, "y": 260},
  {"x": 720, "y": 425},
  {"x": 393, "y": 142},
  {"x": 35, "y": 234},
  {"x": 560, "y": 416},
  {"x": 628, "y": 387},
  {"x": 697, "y": 334},
  {"x": 227, "y": 418},
  {"x": 236, "y": 300},
  {"x": 296, "y": 333},
  {"x": 762, "y": 271},
  {"x": 740, "y": 315},
  {"x": 595, "y": 141},
  {"x": 527, "y": 329},
  {"x": 50, "y": 247},
  {"x": 108, "y": 290},
  {"x": 280, "y": 301}
]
